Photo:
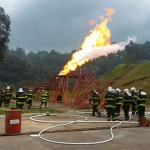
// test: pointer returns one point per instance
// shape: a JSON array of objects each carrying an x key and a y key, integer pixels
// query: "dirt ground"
[{"x": 81, "y": 134}]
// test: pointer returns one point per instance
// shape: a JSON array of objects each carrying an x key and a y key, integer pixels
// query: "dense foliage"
[
  {"x": 18, "y": 66},
  {"x": 32, "y": 67},
  {"x": 4, "y": 32}
]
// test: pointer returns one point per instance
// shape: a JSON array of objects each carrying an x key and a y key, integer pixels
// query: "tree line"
[{"x": 32, "y": 67}]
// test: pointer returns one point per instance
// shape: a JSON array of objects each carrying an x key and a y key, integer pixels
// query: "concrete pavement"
[{"x": 126, "y": 136}]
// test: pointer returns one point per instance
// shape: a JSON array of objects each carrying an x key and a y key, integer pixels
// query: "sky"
[{"x": 62, "y": 25}]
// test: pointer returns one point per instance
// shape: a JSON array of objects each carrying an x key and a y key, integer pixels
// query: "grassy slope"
[{"x": 127, "y": 76}]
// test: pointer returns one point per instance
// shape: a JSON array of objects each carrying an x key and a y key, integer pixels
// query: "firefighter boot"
[
  {"x": 45, "y": 108},
  {"x": 29, "y": 107},
  {"x": 99, "y": 114},
  {"x": 40, "y": 106}
]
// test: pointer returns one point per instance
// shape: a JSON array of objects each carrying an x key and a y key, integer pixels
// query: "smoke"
[
  {"x": 82, "y": 56},
  {"x": 96, "y": 52}
]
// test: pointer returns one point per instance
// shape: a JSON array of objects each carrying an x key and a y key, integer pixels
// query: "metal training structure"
[{"x": 73, "y": 89}]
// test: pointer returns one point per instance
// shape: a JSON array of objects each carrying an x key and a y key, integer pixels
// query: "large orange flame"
[{"x": 99, "y": 36}]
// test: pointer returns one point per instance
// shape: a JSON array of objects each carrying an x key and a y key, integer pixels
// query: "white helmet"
[
  {"x": 127, "y": 92},
  {"x": 143, "y": 93},
  {"x": 113, "y": 90},
  {"x": 118, "y": 90},
  {"x": 109, "y": 89},
  {"x": 133, "y": 89},
  {"x": 8, "y": 88},
  {"x": 95, "y": 92},
  {"x": 20, "y": 90}
]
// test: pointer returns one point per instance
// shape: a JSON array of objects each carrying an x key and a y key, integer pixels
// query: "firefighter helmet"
[
  {"x": 118, "y": 90},
  {"x": 95, "y": 92},
  {"x": 109, "y": 89},
  {"x": 143, "y": 93},
  {"x": 8, "y": 88},
  {"x": 126, "y": 90},
  {"x": 133, "y": 89},
  {"x": 113, "y": 90},
  {"x": 20, "y": 90}
]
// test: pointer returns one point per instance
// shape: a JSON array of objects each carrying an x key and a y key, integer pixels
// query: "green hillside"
[{"x": 127, "y": 76}]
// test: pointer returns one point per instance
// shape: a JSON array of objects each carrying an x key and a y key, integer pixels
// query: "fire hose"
[{"x": 85, "y": 120}]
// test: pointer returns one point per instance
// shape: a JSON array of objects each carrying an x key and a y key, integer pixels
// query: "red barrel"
[{"x": 13, "y": 122}]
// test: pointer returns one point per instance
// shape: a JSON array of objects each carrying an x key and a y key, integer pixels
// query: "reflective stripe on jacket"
[
  {"x": 21, "y": 98},
  {"x": 110, "y": 100},
  {"x": 141, "y": 100},
  {"x": 45, "y": 97},
  {"x": 8, "y": 95},
  {"x": 30, "y": 96},
  {"x": 119, "y": 99},
  {"x": 127, "y": 100},
  {"x": 95, "y": 100}
]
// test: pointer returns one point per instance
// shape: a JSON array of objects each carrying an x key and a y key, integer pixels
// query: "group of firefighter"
[
  {"x": 21, "y": 98},
  {"x": 114, "y": 100}
]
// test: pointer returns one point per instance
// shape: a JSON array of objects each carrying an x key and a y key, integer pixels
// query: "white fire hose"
[{"x": 65, "y": 123}]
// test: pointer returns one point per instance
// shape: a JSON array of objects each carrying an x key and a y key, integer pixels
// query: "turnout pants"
[
  {"x": 95, "y": 110},
  {"x": 141, "y": 111},
  {"x": 126, "y": 109},
  {"x": 20, "y": 106},
  {"x": 110, "y": 113},
  {"x": 1, "y": 102},
  {"x": 7, "y": 102},
  {"x": 133, "y": 106},
  {"x": 45, "y": 103},
  {"x": 117, "y": 109}
]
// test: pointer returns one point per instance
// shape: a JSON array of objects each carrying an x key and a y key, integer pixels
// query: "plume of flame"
[
  {"x": 99, "y": 36},
  {"x": 91, "y": 22},
  {"x": 110, "y": 12}
]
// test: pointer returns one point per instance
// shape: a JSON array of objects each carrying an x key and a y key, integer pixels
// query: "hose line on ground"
[{"x": 85, "y": 120}]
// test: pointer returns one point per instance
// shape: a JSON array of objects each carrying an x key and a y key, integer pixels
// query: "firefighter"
[
  {"x": 20, "y": 98},
  {"x": 127, "y": 101},
  {"x": 44, "y": 99},
  {"x": 95, "y": 99},
  {"x": 134, "y": 100},
  {"x": 8, "y": 96},
  {"x": 118, "y": 101},
  {"x": 30, "y": 98},
  {"x": 110, "y": 104},
  {"x": 141, "y": 102},
  {"x": 2, "y": 97}
]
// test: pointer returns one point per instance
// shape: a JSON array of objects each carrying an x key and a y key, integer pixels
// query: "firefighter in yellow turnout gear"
[
  {"x": 30, "y": 98},
  {"x": 2, "y": 97},
  {"x": 20, "y": 98},
  {"x": 8, "y": 96},
  {"x": 44, "y": 99},
  {"x": 95, "y": 99},
  {"x": 142, "y": 96},
  {"x": 118, "y": 101},
  {"x": 134, "y": 100},
  {"x": 127, "y": 101},
  {"x": 110, "y": 104}
]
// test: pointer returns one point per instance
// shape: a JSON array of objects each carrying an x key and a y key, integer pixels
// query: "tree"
[{"x": 4, "y": 32}]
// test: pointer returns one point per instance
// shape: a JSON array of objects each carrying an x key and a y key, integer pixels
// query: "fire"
[
  {"x": 99, "y": 36},
  {"x": 91, "y": 22}
]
